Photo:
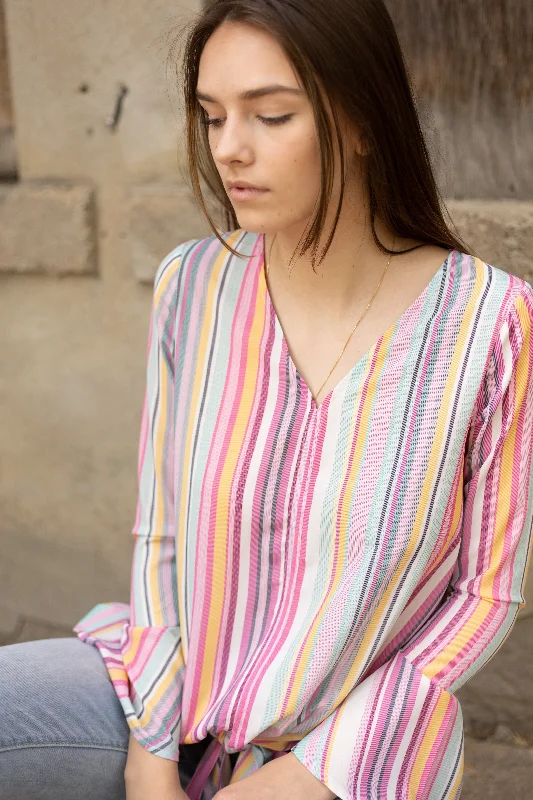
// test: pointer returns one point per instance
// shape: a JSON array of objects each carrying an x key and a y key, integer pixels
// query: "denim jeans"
[{"x": 63, "y": 734}]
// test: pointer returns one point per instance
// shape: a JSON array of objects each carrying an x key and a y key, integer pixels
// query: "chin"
[{"x": 254, "y": 223}]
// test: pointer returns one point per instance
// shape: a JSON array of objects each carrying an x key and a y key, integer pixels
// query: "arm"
[
  {"x": 141, "y": 644},
  {"x": 151, "y": 647},
  {"x": 389, "y": 735}
]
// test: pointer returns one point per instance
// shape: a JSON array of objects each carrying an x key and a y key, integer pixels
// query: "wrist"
[{"x": 144, "y": 766}]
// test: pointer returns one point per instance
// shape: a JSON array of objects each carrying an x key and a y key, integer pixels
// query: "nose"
[{"x": 232, "y": 142}]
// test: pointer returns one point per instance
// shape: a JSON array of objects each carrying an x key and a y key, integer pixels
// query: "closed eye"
[{"x": 217, "y": 123}]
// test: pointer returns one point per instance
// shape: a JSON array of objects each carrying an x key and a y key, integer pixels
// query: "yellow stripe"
[
  {"x": 186, "y": 461},
  {"x": 467, "y": 632},
  {"x": 503, "y": 507},
  {"x": 223, "y": 500},
  {"x": 338, "y": 569},
  {"x": 441, "y": 430},
  {"x": 503, "y": 502},
  {"x": 129, "y": 656},
  {"x": 156, "y": 696},
  {"x": 423, "y": 755},
  {"x": 243, "y": 768},
  {"x": 162, "y": 285},
  {"x": 522, "y": 383},
  {"x": 159, "y": 440},
  {"x": 118, "y": 674},
  {"x": 443, "y": 550}
]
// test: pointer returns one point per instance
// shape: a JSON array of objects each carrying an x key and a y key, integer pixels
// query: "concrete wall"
[{"x": 72, "y": 347}]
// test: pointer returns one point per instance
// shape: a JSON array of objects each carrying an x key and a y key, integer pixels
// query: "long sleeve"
[
  {"x": 141, "y": 643},
  {"x": 399, "y": 732}
]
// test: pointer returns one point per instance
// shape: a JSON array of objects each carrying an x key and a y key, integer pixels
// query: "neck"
[{"x": 351, "y": 268}]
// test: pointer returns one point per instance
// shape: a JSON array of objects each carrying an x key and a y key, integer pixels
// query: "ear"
[
  {"x": 363, "y": 147},
  {"x": 353, "y": 136},
  {"x": 357, "y": 141}
]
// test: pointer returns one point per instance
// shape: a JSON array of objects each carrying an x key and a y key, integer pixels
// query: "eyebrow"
[{"x": 253, "y": 94}]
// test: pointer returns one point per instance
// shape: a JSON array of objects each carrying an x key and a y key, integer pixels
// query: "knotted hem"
[{"x": 214, "y": 770}]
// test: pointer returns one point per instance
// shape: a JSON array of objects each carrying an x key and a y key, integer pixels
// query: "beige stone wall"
[
  {"x": 72, "y": 347},
  {"x": 68, "y": 62}
]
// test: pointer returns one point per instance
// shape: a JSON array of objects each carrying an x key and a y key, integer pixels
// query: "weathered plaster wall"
[{"x": 72, "y": 348}]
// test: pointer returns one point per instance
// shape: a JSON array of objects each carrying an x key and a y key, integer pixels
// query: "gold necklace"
[{"x": 358, "y": 321}]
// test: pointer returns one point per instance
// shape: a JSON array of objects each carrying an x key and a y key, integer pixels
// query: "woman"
[{"x": 325, "y": 550}]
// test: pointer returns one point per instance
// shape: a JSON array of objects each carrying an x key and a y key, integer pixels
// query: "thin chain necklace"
[{"x": 358, "y": 321}]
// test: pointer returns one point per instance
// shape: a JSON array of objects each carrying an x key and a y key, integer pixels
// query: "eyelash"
[{"x": 266, "y": 120}]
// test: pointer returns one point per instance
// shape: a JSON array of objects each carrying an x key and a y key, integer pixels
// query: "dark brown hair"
[{"x": 350, "y": 50}]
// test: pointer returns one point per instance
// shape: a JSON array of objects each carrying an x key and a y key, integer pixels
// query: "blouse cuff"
[{"x": 146, "y": 667}]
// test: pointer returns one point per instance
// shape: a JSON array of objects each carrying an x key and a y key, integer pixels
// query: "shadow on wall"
[
  {"x": 471, "y": 63},
  {"x": 8, "y": 160}
]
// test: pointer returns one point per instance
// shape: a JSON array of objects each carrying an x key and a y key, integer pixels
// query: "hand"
[
  {"x": 150, "y": 777},
  {"x": 149, "y": 793},
  {"x": 282, "y": 778}
]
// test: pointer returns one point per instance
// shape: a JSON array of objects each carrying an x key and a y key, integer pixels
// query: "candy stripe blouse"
[{"x": 323, "y": 578}]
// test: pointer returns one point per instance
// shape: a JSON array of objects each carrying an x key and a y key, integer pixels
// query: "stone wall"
[{"x": 77, "y": 254}]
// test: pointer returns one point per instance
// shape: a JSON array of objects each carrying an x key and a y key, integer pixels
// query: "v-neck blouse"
[
  {"x": 409, "y": 311},
  {"x": 322, "y": 579}
]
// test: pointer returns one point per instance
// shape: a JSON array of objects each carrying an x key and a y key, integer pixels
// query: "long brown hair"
[{"x": 350, "y": 50}]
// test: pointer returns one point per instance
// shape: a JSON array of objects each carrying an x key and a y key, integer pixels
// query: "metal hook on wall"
[{"x": 113, "y": 120}]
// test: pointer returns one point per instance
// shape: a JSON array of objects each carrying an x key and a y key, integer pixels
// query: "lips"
[
  {"x": 247, "y": 186},
  {"x": 246, "y": 193}
]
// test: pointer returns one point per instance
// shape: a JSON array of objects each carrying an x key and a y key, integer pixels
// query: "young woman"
[{"x": 335, "y": 471}]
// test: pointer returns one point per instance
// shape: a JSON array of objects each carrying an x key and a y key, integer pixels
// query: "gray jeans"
[{"x": 63, "y": 734}]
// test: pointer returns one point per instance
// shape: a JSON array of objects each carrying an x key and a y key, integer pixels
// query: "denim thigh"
[{"x": 63, "y": 733}]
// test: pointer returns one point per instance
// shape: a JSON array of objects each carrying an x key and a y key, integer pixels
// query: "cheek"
[{"x": 296, "y": 160}]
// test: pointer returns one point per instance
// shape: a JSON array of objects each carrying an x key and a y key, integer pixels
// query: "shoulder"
[
  {"x": 492, "y": 292},
  {"x": 200, "y": 256},
  {"x": 501, "y": 321},
  {"x": 188, "y": 273},
  {"x": 492, "y": 310},
  {"x": 513, "y": 296}
]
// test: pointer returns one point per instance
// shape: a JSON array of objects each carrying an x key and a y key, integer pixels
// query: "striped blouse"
[{"x": 322, "y": 579}]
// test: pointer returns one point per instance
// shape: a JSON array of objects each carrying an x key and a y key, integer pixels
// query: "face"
[{"x": 269, "y": 140}]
